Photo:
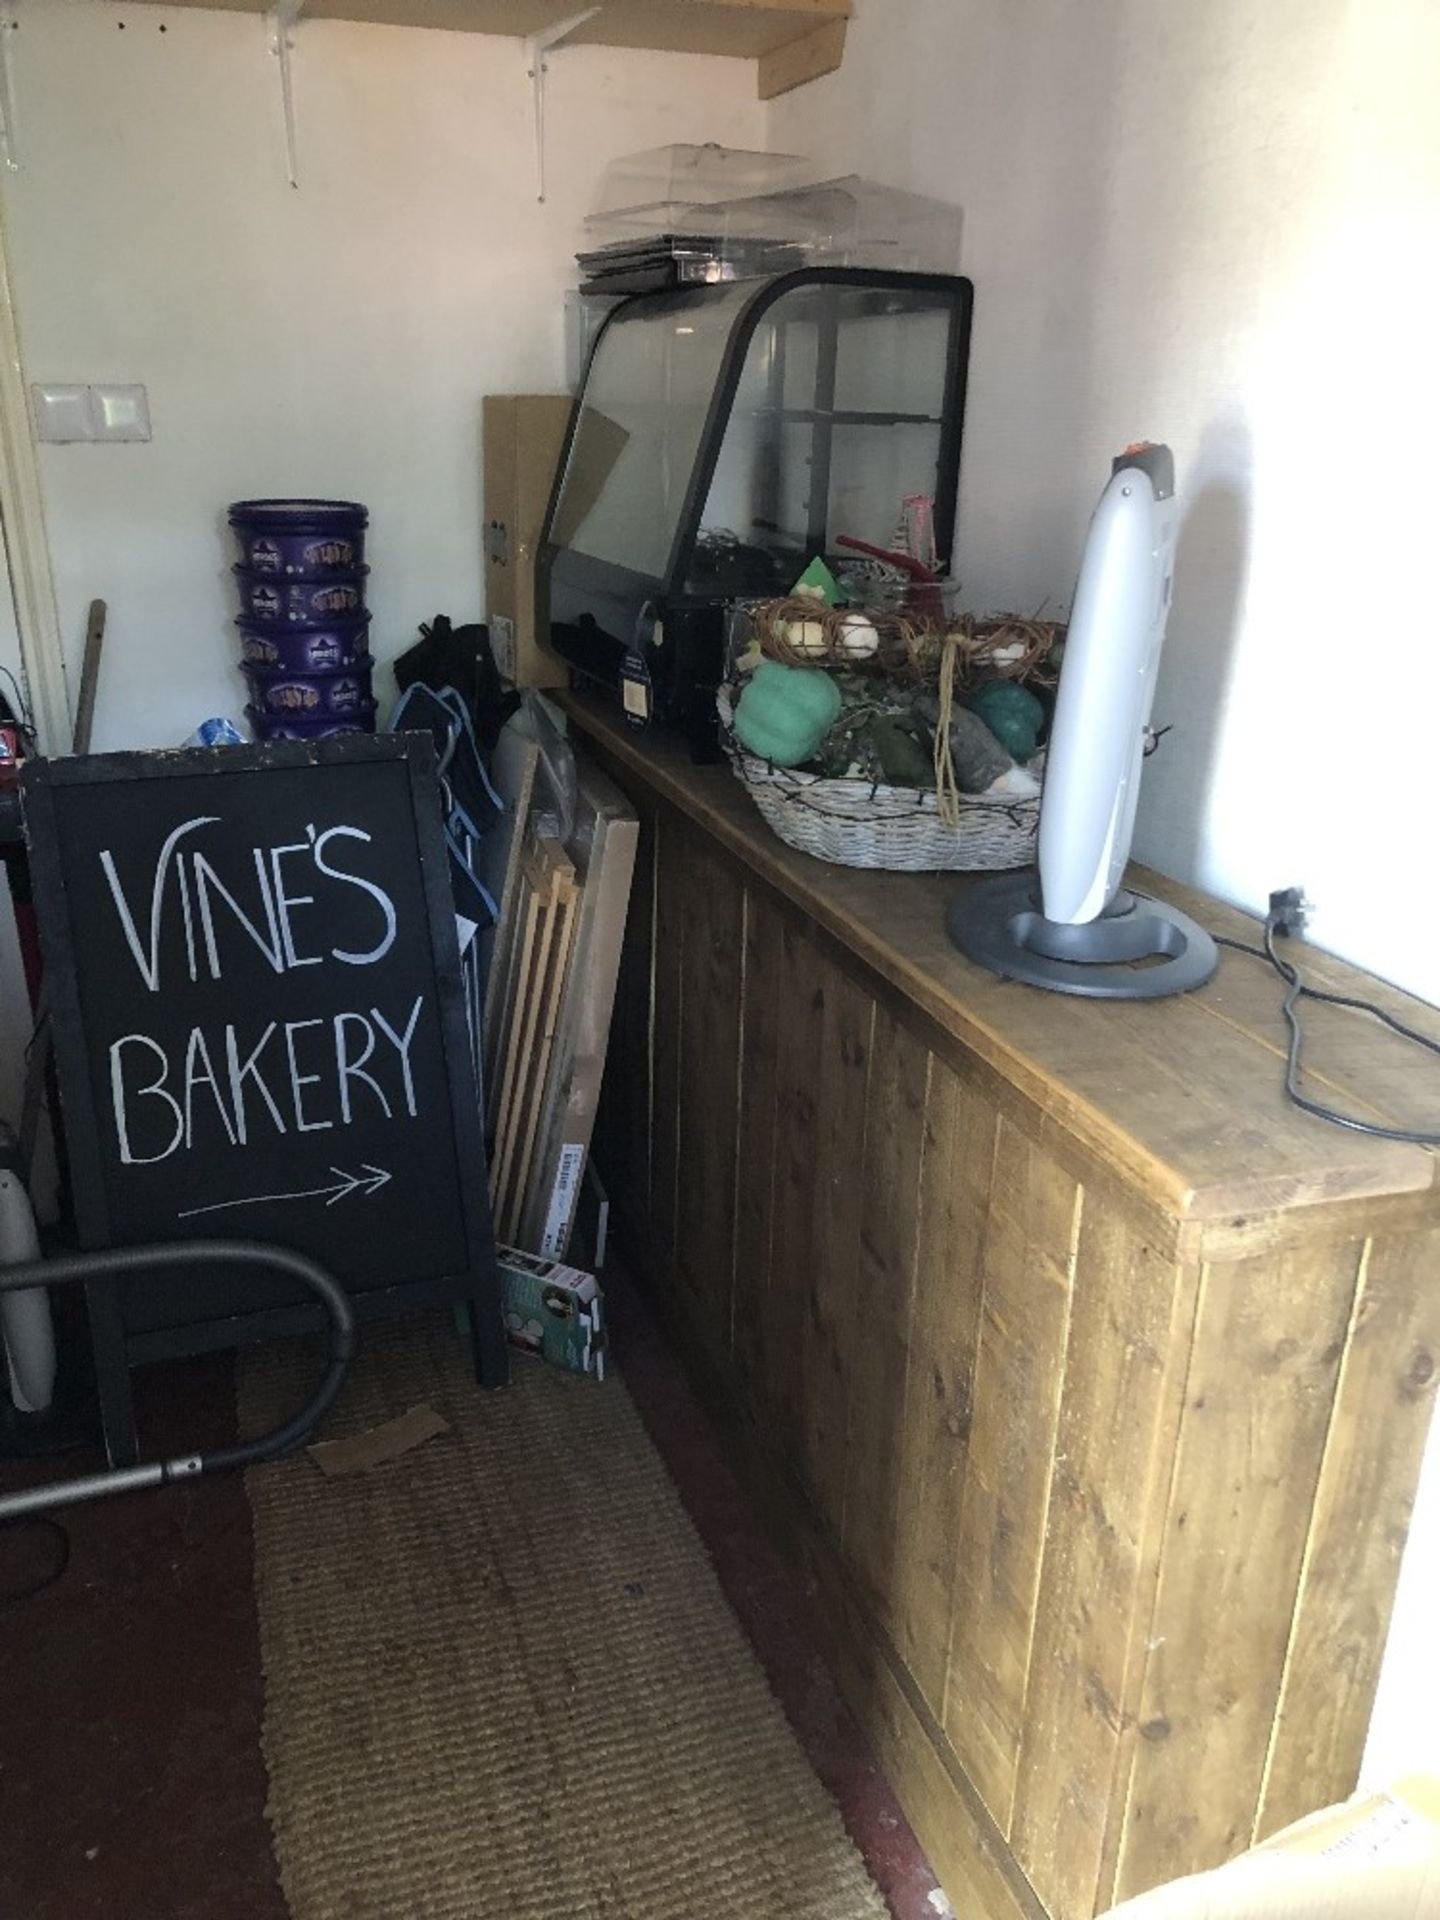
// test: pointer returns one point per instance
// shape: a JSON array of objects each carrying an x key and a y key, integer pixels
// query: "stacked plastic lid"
[{"x": 304, "y": 630}]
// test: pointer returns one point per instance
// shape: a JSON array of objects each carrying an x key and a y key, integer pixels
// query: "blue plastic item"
[{"x": 217, "y": 732}]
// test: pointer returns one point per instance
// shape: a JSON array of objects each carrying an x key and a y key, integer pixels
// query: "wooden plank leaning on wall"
[{"x": 1101, "y": 1508}]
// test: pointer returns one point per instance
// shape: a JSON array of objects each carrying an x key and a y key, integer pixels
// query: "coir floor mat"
[{"x": 501, "y": 1681}]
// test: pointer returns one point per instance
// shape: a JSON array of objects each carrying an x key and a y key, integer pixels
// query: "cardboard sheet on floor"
[
  {"x": 1376, "y": 1857},
  {"x": 361, "y": 1451}
]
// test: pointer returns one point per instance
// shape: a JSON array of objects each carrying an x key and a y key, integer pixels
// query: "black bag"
[{"x": 460, "y": 657}]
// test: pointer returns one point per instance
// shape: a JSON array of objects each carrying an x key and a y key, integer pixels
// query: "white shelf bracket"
[
  {"x": 282, "y": 21},
  {"x": 536, "y": 49},
  {"x": 9, "y": 129}
]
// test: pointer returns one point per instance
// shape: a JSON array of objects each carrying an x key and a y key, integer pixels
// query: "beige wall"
[{"x": 336, "y": 340}]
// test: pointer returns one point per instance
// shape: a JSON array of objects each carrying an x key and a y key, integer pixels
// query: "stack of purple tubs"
[{"x": 304, "y": 631}]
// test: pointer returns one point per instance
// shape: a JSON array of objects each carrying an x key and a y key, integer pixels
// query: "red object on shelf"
[{"x": 921, "y": 577}]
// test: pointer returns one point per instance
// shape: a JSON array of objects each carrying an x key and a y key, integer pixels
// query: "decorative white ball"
[
  {"x": 1018, "y": 781},
  {"x": 858, "y": 638},
  {"x": 807, "y": 637}
]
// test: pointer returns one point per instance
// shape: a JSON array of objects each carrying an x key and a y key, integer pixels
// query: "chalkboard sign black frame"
[{"x": 124, "y": 1338}]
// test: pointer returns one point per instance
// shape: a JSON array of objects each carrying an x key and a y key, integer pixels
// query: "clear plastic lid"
[
  {"x": 667, "y": 189},
  {"x": 851, "y": 222},
  {"x": 767, "y": 212}
]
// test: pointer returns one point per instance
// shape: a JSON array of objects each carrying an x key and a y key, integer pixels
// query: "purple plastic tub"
[
  {"x": 310, "y": 696},
  {"x": 300, "y": 539},
  {"x": 271, "y": 726},
  {"x": 330, "y": 649},
  {"x": 266, "y": 602}
]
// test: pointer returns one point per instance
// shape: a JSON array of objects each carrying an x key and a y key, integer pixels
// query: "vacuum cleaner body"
[{"x": 180, "y": 1256}]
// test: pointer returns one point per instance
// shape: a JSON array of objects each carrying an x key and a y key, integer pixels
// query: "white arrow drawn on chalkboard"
[{"x": 349, "y": 1183}]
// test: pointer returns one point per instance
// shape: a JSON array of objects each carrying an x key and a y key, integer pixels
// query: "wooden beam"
[
  {"x": 740, "y": 29},
  {"x": 814, "y": 54}
]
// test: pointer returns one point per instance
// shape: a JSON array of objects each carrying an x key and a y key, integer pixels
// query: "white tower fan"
[{"x": 1072, "y": 928}]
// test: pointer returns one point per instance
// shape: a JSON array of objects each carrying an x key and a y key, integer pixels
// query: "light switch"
[
  {"x": 120, "y": 413},
  {"x": 62, "y": 414}
]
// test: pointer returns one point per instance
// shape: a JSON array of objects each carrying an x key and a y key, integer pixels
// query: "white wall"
[
  {"x": 1217, "y": 224},
  {"x": 336, "y": 340}
]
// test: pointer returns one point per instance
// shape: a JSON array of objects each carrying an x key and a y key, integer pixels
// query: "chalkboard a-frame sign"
[{"x": 259, "y": 1025}]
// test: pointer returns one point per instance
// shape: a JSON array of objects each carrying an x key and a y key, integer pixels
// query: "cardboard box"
[
  {"x": 1376, "y": 1857},
  {"x": 523, "y": 437},
  {"x": 553, "y": 1311}
]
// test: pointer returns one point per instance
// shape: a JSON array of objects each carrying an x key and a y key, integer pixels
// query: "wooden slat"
[
  {"x": 1030, "y": 1234},
  {"x": 742, "y": 29},
  {"x": 524, "y": 921},
  {"x": 1247, "y": 1236},
  {"x": 549, "y": 878},
  {"x": 757, "y": 1149},
  {"x": 671, "y": 844},
  {"x": 796, "y": 62},
  {"x": 880, "y": 1342},
  {"x": 1373, "y": 1451},
  {"x": 622, "y": 1121},
  {"x": 1351, "y": 1059},
  {"x": 1268, "y": 1339},
  {"x": 551, "y": 999},
  {"x": 532, "y": 917},
  {"x": 960, "y": 1839},
  {"x": 502, "y": 951},
  {"x": 969, "y": 1856},
  {"x": 712, "y": 932},
  {"x": 800, "y": 994},
  {"x": 1114, "y": 1445},
  {"x": 957, "y": 1158},
  {"x": 736, "y": 29},
  {"x": 830, "y": 1336}
]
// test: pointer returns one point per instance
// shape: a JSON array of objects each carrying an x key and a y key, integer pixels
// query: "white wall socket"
[
  {"x": 62, "y": 414},
  {"x": 120, "y": 413},
  {"x": 67, "y": 413}
]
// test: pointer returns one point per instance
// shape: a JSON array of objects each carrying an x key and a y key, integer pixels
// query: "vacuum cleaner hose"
[{"x": 114, "y": 1263}]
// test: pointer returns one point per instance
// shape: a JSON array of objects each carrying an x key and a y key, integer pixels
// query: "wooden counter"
[{"x": 1084, "y": 1379}]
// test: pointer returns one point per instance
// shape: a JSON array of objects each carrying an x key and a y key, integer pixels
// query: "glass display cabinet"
[{"x": 723, "y": 436}]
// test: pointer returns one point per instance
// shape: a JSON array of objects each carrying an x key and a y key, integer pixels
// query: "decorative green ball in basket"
[{"x": 909, "y": 688}]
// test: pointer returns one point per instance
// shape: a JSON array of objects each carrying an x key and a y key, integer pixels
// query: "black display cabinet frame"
[{"x": 603, "y": 614}]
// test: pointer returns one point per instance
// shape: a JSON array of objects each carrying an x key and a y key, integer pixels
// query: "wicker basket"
[{"x": 856, "y": 823}]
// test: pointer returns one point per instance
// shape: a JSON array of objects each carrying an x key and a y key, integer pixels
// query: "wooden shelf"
[{"x": 791, "y": 41}]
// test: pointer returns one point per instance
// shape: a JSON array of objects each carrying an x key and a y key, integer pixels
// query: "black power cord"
[{"x": 1286, "y": 916}]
